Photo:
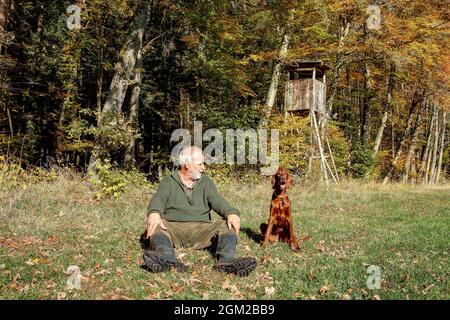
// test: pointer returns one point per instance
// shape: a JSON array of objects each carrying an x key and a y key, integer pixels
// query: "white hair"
[{"x": 187, "y": 154}]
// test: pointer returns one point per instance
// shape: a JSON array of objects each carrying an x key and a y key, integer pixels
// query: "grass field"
[{"x": 403, "y": 230}]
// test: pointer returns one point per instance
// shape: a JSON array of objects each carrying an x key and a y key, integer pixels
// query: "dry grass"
[{"x": 402, "y": 229}]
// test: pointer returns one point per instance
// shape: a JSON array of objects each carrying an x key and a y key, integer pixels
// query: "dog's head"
[{"x": 281, "y": 180}]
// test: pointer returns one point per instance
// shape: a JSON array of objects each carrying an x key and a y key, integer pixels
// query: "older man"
[{"x": 179, "y": 215}]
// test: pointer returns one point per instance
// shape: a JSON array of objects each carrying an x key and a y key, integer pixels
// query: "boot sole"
[
  {"x": 242, "y": 267},
  {"x": 156, "y": 262}
]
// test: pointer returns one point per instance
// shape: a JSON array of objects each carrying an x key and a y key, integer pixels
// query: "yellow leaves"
[
  {"x": 246, "y": 91},
  {"x": 256, "y": 58},
  {"x": 191, "y": 40},
  {"x": 227, "y": 36},
  {"x": 32, "y": 262}
]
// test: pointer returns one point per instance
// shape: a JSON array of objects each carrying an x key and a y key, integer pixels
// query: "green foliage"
[
  {"x": 11, "y": 176},
  {"x": 296, "y": 148},
  {"x": 227, "y": 174},
  {"x": 339, "y": 146},
  {"x": 362, "y": 161},
  {"x": 42, "y": 175},
  {"x": 295, "y": 141},
  {"x": 110, "y": 182},
  {"x": 210, "y": 61},
  {"x": 113, "y": 182}
]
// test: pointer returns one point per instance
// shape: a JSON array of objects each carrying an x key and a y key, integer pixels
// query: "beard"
[{"x": 196, "y": 176}]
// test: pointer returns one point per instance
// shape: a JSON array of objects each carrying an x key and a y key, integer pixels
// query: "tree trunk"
[
  {"x": 11, "y": 128},
  {"x": 124, "y": 71},
  {"x": 134, "y": 110},
  {"x": 4, "y": 11},
  {"x": 130, "y": 55},
  {"x": 441, "y": 146},
  {"x": 412, "y": 147},
  {"x": 387, "y": 109},
  {"x": 424, "y": 158},
  {"x": 432, "y": 179},
  {"x": 365, "y": 112},
  {"x": 338, "y": 62},
  {"x": 430, "y": 149},
  {"x": 402, "y": 139},
  {"x": 100, "y": 31},
  {"x": 272, "y": 93}
]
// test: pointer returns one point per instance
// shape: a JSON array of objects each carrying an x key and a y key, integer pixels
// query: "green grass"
[{"x": 404, "y": 230}]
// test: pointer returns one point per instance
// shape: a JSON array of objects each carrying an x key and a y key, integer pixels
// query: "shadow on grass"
[{"x": 255, "y": 236}]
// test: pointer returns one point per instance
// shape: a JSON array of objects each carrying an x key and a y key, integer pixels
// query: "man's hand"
[
  {"x": 153, "y": 221},
  {"x": 233, "y": 221}
]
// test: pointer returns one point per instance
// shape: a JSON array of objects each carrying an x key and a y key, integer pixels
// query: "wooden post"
[
  {"x": 322, "y": 157},
  {"x": 332, "y": 159}
]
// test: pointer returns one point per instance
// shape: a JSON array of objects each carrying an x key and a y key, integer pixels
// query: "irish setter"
[{"x": 280, "y": 226}]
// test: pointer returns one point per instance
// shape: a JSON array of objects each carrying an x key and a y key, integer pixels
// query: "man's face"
[{"x": 197, "y": 166}]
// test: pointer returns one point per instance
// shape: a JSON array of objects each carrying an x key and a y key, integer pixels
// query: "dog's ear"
[
  {"x": 289, "y": 181},
  {"x": 273, "y": 180}
]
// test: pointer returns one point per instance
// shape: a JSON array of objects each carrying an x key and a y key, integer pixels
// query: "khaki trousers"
[{"x": 196, "y": 235}]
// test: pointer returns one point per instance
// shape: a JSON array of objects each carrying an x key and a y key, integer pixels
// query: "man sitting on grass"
[{"x": 179, "y": 215}]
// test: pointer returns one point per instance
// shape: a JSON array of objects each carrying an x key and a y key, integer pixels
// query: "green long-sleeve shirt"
[{"x": 173, "y": 204}]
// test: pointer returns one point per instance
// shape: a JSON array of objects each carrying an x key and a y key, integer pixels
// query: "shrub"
[
  {"x": 114, "y": 182},
  {"x": 361, "y": 160},
  {"x": 11, "y": 175}
]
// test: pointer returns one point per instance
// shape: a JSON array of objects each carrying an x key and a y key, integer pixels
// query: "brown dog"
[{"x": 280, "y": 226}]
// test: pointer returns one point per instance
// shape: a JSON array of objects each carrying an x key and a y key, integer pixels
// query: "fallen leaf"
[
  {"x": 428, "y": 288},
  {"x": 155, "y": 295},
  {"x": 205, "y": 295},
  {"x": 119, "y": 272},
  {"x": 231, "y": 287},
  {"x": 29, "y": 262},
  {"x": 324, "y": 289},
  {"x": 16, "y": 277},
  {"x": 269, "y": 291},
  {"x": 376, "y": 297},
  {"x": 346, "y": 296},
  {"x": 102, "y": 272},
  {"x": 60, "y": 296},
  {"x": 177, "y": 288},
  {"x": 74, "y": 280},
  {"x": 265, "y": 276}
]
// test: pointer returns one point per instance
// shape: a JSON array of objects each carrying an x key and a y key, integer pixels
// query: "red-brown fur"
[{"x": 280, "y": 226}]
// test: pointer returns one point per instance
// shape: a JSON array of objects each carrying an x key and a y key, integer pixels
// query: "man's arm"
[
  {"x": 159, "y": 200},
  {"x": 217, "y": 202},
  {"x": 157, "y": 206},
  {"x": 223, "y": 208}
]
